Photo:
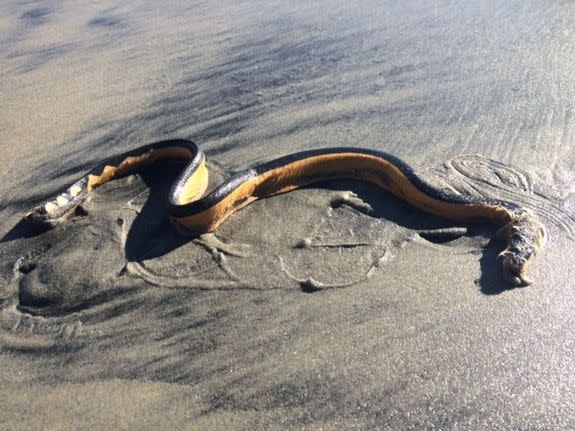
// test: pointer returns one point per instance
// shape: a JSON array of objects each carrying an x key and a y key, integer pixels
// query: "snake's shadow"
[
  {"x": 151, "y": 234},
  {"x": 491, "y": 281}
]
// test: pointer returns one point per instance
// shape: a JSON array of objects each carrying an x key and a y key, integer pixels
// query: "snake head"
[
  {"x": 514, "y": 267},
  {"x": 524, "y": 236}
]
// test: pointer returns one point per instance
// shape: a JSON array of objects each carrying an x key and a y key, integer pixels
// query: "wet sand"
[{"x": 115, "y": 320}]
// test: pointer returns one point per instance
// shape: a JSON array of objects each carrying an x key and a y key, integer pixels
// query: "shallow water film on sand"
[{"x": 337, "y": 306}]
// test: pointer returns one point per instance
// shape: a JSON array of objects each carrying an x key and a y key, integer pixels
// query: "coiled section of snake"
[{"x": 192, "y": 212}]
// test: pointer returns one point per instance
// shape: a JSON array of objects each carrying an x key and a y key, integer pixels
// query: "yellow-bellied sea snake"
[{"x": 192, "y": 212}]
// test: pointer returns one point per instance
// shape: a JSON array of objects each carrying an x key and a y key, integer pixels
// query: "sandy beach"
[{"x": 114, "y": 320}]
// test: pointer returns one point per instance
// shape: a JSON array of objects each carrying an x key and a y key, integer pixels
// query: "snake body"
[{"x": 192, "y": 212}]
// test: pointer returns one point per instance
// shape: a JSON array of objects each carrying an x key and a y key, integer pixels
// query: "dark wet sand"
[{"x": 118, "y": 322}]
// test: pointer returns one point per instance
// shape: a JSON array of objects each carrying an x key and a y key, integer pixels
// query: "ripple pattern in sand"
[{"x": 480, "y": 176}]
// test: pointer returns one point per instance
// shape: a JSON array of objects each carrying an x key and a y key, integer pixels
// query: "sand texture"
[{"x": 334, "y": 307}]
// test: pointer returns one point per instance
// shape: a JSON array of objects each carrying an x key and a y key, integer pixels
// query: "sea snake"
[{"x": 192, "y": 212}]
